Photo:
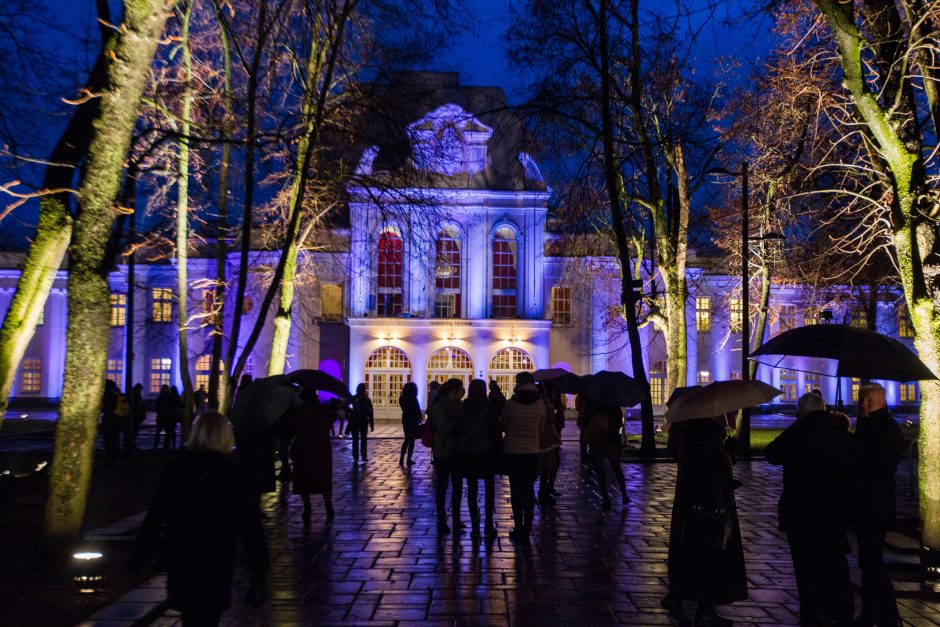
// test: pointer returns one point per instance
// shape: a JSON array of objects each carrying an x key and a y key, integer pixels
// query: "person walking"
[
  {"x": 444, "y": 450},
  {"x": 200, "y": 510},
  {"x": 706, "y": 562},
  {"x": 410, "y": 421},
  {"x": 361, "y": 420},
  {"x": 312, "y": 452},
  {"x": 478, "y": 432},
  {"x": 882, "y": 444},
  {"x": 821, "y": 464},
  {"x": 602, "y": 435},
  {"x": 111, "y": 423},
  {"x": 521, "y": 421},
  {"x": 165, "y": 411}
]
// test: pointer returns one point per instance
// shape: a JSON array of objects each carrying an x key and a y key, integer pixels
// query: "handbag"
[
  {"x": 707, "y": 526},
  {"x": 427, "y": 434}
]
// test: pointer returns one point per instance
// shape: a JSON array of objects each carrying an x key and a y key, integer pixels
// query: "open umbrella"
[
  {"x": 562, "y": 380},
  {"x": 718, "y": 398},
  {"x": 262, "y": 403},
  {"x": 547, "y": 374},
  {"x": 838, "y": 350},
  {"x": 320, "y": 381},
  {"x": 611, "y": 388},
  {"x": 681, "y": 391}
]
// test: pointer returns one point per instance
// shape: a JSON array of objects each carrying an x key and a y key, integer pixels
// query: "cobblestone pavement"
[{"x": 382, "y": 562}]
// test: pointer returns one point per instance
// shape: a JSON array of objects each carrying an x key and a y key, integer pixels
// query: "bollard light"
[{"x": 88, "y": 571}]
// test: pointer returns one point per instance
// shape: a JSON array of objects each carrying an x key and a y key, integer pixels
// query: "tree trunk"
[
  {"x": 182, "y": 228},
  {"x": 88, "y": 331}
]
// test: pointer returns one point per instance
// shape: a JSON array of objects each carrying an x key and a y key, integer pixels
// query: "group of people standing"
[{"x": 833, "y": 479}]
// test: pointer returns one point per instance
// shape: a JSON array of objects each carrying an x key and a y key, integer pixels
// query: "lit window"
[
  {"x": 810, "y": 382},
  {"x": 31, "y": 376},
  {"x": 907, "y": 392},
  {"x": 704, "y": 376},
  {"x": 331, "y": 302},
  {"x": 118, "y": 309},
  {"x": 505, "y": 364},
  {"x": 703, "y": 314},
  {"x": 905, "y": 328},
  {"x": 116, "y": 371},
  {"x": 657, "y": 390},
  {"x": 735, "y": 375},
  {"x": 447, "y": 296},
  {"x": 203, "y": 370},
  {"x": 855, "y": 385},
  {"x": 788, "y": 384},
  {"x": 505, "y": 273},
  {"x": 561, "y": 306},
  {"x": 162, "y": 304},
  {"x": 450, "y": 363},
  {"x": 160, "y": 369},
  {"x": 387, "y": 370},
  {"x": 389, "y": 275},
  {"x": 787, "y": 317},
  {"x": 734, "y": 315},
  {"x": 658, "y": 368},
  {"x": 810, "y": 316},
  {"x": 859, "y": 318}
]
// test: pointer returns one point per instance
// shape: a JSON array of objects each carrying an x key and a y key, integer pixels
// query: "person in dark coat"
[
  {"x": 607, "y": 448},
  {"x": 522, "y": 422},
  {"x": 821, "y": 463},
  {"x": 312, "y": 452},
  {"x": 705, "y": 574},
  {"x": 201, "y": 509},
  {"x": 444, "y": 449},
  {"x": 361, "y": 421},
  {"x": 137, "y": 406},
  {"x": 478, "y": 430},
  {"x": 882, "y": 444},
  {"x": 165, "y": 411},
  {"x": 111, "y": 423},
  {"x": 496, "y": 397},
  {"x": 410, "y": 421}
]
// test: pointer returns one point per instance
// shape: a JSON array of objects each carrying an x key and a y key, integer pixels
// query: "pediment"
[{"x": 449, "y": 141}]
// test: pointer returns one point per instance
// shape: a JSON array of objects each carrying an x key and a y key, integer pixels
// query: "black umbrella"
[
  {"x": 838, "y": 350},
  {"x": 320, "y": 381},
  {"x": 262, "y": 403},
  {"x": 611, "y": 388},
  {"x": 562, "y": 380}
]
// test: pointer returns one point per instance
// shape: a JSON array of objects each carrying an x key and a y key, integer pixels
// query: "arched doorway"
[
  {"x": 450, "y": 362},
  {"x": 505, "y": 364},
  {"x": 387, "y": 370}
]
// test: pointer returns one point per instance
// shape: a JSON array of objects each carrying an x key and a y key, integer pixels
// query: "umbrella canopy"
[
  {"x": 547, "y": 374},
  {"x": 560, "y": 379},
  {"x": 611, "y": 388},
  {"x": 682, "y": 391},
  {"x": 839, "y": 350},
  {"x": 718, "y": 398},
  {"x": 320, "y": 381},
  {"x": 262, "y": 403}
]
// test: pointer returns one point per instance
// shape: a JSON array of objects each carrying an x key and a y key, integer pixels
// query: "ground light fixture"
[{"x": 88, "y": 571}]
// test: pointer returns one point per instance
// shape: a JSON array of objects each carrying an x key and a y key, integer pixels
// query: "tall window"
[
  {"x": 118, "y": 309},
  {"x": 203, "y": 370},
  {"x": 859, "y": 318},
  {"x": 907, "y": 392},
  {"x": 116, "y": 371},
  {"x": 703, "y": 314},
  {"x": 787, "y": 317},
  {"x": 160, "y": 369},
  {"x": 31, "y": 376},
  {"x": 561, "y": 306},
  {"x": 447, "y": 275},
  {"x": 389, "y": 275},
  {"x": 856, "y": 384},
  {"x": 331, "y": 302},
  {"x": 505, "y": 273},
  {"x": 788, "y": 384},
  {"x": 450, "y": 363},
  {"x": 810, "y": 316},
  {"x": 735, "y": 375},
  {"x": 905, "y": 328},
  {"x": 387, "y": 370},
  {"x": 162, "y": 309},
  {"x": 505, "y": 364},
  {"x": 703, "y": 377},
  {"x": 658, "y": 382},
  {"x": 734, "y": 315},
  {"x": 810, "y": 382}
]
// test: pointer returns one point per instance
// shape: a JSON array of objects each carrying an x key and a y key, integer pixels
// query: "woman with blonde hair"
[{"x": 201, "y": 509}]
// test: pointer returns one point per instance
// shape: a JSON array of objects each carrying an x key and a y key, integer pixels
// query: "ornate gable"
[{"x": 449, "y": 141}]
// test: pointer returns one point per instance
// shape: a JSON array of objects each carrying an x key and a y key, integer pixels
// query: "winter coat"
[
  {"x": 255, "y": 454},
  {"x": 200, "y": 510},
  {"x": 522, "y": 420},
  {"x": 445, "y": 423},
  {"x": 821, "y": 464},
  {"x": 478, "y": 428},
  {"x": 882, "y": 444},
  {"x": 167, "y": 407},
  {"x": 703, "y": 475},
  {"x": 312, "y": 450},
  {"x": 361, "y": 415},
  {"x": 410, "y": 416}
]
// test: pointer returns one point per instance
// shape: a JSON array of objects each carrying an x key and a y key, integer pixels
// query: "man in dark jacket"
[
  {"x": 882, "y": 444},
  {"x": 821, "y": 465},
  {"x": 361, "y": 421}
]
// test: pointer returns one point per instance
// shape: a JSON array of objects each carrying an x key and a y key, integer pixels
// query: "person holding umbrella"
[
  {"x": 882, "y": 444},
  {"x": 821, "y": 464},
  {"x": 312, "y": 452},
  {"x": 602, "y": 434}
]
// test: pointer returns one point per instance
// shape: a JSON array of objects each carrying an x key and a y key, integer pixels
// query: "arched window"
[
  {"x": 504, "y": 366},
  {"x": 387, "y": 370},
  {"x": 450, "y": 363},
  {"x": 389, "y": 275},
  {"x": 505, "y": 271},
  {"x": 447, "y": 275}
]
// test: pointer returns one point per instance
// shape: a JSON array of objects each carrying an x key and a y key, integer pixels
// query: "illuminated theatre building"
[{"x": 452, "y": 274}]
